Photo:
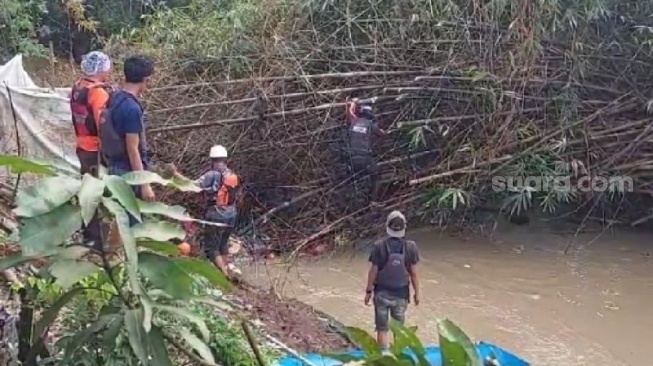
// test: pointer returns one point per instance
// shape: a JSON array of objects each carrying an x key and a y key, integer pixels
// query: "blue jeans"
[{"x": 120, "y": 171}]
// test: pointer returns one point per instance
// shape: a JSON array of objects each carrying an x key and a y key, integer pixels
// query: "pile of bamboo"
[{"x": 453, "y": 121}]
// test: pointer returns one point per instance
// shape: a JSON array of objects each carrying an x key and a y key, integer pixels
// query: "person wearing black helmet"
[{"x": 362, "y": 131}]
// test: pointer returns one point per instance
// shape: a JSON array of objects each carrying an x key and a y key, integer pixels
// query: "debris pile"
[{"x": 456, "y": 119}]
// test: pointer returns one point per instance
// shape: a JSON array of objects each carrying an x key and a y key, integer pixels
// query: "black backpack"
[{"x": 112, "y": 144}]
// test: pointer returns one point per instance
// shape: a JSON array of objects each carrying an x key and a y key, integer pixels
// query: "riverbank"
[{"x": 518, "y": 290}]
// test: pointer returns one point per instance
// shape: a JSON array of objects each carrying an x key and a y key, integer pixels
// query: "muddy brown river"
[{"x": 517, "y": 289}]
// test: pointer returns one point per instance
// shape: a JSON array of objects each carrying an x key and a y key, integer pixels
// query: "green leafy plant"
[
  {"x": 441, "y": 203},
  {"x": 131, "y": 293},
  {"x": 18, "y": 21},
  {"x": 407, "y": 350}
]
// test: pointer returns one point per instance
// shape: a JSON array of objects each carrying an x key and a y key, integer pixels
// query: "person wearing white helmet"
[{"x": 223, "y": 189}]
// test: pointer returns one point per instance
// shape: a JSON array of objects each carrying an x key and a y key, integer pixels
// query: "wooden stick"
[
  {"x": 284, "y": 114},
  {"x": 341, "y": 75},
  {"x": 289, "y": 350},
  {"x": 252, "y": 343},
  {"x": 18, "y": 143}
]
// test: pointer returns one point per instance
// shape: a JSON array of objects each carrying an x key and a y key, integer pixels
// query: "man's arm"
[
  {"x": 97, "y": 100},
  {"x": 374, "y": 268},
  {"x": 378, "y": 131},
  {"x": 412, "y": 268},
  {"x": 371, "y": 278}
]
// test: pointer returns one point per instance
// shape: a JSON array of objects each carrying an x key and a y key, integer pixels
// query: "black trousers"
[
  {"x": 366, "y": 171},
  {"x": 215, "y": 239},
  {"x": 92, "y": 232}
]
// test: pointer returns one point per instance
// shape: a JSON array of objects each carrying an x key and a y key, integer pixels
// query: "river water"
[{"x": 591, "y": 306}]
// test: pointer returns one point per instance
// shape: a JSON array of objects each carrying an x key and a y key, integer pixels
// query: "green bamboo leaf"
[
  {"x": 147, "y": 312},
  {"x": 158, "y": 349},
  {"x": 51, "y": 313},
  {"x": 455, "y": 346},
  {"x": 112, "y": 332},
  {"x": 202, "y": 349},
  {"x": 90, "y": 196},
  {"x": 42, "y": 234},
  {"x": 401, "y": 341},
  {"x": 20, "y": 165},
  {"x": 190, "y": 316},
  {"x": 164, "y": 274},
  {"x": 69, "y": 271},
  {"x": 45, "y": 195},
  {"x": 13, "y": 260},
  {"x": 364, "y": 341},
  {"x": 410, "y": 339},
  {"x": 123, "y": 193},
  {"x": 406, "y": 359},
  {"x": 185, "y": 185},
  {"x": 159, "y": 208},
  {"x": 161, "y": 247},
  {"x": 148, "y": 347},
  {"x": 145, "y": 177},
  {"x": 128, "y": 241},
  {"x": 344, "y": 358},
  {"x": 72, "y": 252},
  {"x": 137, "y": 335},
  {"x": 386, "y": 360},
  {"x": 85, "y": 335},
  {"x": 158, "y": 231},
  {"x": 206, "y": 270}
]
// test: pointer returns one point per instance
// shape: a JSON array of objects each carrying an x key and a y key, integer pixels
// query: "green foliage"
[
  {"x": 227, "y": 341},
  {"x": 18, "y": 19},
  {"x": 122, "y": 301},
  {"x": 456, "y": 347},
  {"x": 548, "y": 167},
  {"x": 443, "y": 202},
  {"x": 204, "y": 31}
]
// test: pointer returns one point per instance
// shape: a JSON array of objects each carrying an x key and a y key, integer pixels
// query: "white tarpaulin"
[{"x": 42, "y": 117}]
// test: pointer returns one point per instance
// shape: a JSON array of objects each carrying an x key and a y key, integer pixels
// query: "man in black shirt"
[
  {"x": 362, "y": 130},
  {"x": 393, "y": 270}
]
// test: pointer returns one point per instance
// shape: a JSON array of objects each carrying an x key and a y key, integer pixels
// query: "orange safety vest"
[
  {"x": 86, "y": 131},
  {"x": 229, "y": 191}
]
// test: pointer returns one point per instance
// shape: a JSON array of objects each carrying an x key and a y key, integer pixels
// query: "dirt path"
[{"x": 297, "y": 324}]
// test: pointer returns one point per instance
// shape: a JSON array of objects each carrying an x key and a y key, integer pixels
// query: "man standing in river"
[{"x": 393, "y": 269}]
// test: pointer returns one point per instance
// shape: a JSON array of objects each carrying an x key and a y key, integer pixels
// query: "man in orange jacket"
[{"x": 88, "y": 98}]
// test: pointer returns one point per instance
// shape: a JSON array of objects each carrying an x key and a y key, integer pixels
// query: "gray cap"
[{"x": 395, "y": 225}]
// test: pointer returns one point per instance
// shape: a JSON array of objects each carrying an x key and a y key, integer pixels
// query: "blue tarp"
[{"x": 485, "y": 350}]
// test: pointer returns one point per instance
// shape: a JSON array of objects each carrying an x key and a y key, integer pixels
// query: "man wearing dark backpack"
[
  {"x": 392, "y": 271},
  {"x": 88, "y": 98},
  {"x": 223, "y": 189}
]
